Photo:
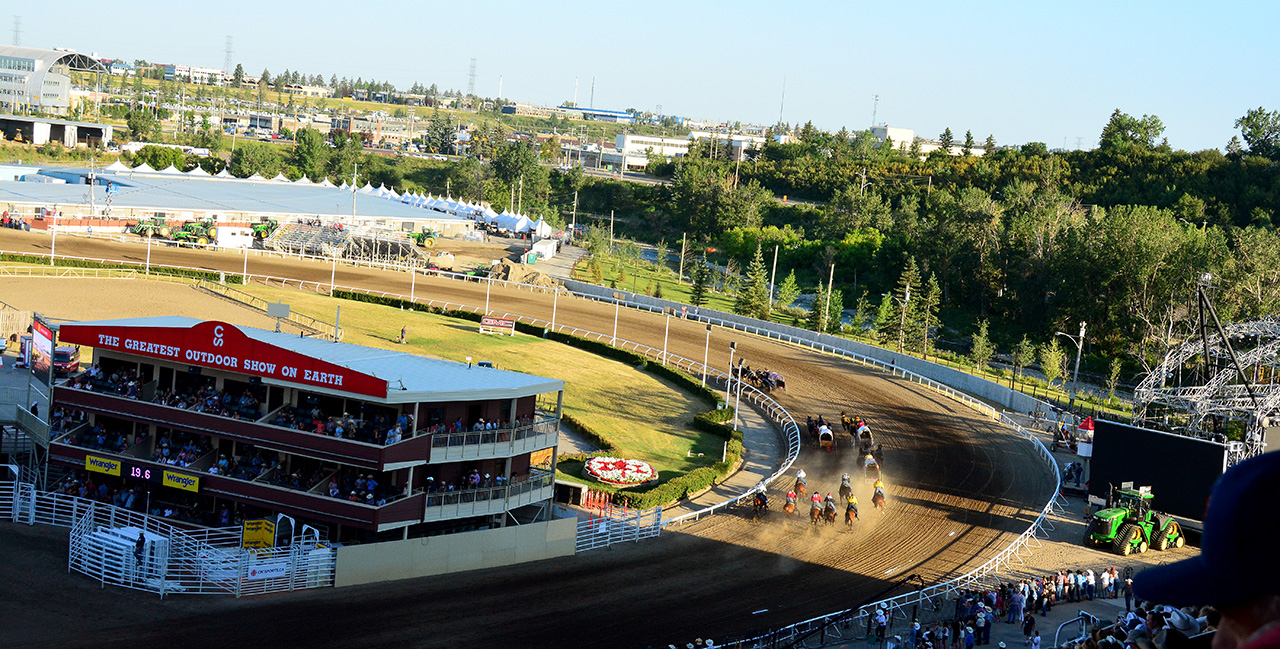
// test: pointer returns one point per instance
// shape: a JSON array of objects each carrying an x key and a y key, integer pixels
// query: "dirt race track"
[{"x": 959, "y": 487}]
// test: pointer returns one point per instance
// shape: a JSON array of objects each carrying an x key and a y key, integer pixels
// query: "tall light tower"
[{"x": 875, "y": 106}]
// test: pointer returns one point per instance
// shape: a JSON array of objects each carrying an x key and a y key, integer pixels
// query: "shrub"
[{"x": 211, "y": 275}]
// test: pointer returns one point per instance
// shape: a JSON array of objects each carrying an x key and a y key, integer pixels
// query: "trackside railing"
[
  {"x": 319, "y": 327},
  {"x": 618, "y": 525}
]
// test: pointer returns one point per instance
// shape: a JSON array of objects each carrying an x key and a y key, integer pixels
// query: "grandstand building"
[
  {"x": 210, "y": 421},
  {"x": 33, "y": 79}
]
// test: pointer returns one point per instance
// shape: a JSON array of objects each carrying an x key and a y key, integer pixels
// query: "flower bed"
[{"x": 618, "y": 471}]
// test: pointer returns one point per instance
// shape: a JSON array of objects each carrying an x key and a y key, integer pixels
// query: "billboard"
[
  {"x": 1181, "y": 471},
  {"x": 41, "y": 349}
]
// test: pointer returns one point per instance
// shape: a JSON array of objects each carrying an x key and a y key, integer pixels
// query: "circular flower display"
[{"x": 618, "y": 471}]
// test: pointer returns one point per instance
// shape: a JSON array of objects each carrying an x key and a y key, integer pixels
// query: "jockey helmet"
[
  {"x": 853, "y": 500},
  {"x": 869, "y": 457},
  {"x": 844, "y": 477}
]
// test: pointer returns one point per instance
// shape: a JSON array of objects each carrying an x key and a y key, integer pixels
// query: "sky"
[{"x": 1021, "y": 71}]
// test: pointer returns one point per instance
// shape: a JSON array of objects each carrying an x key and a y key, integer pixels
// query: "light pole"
[
  {"x": 487, "y": 286},
  {"x": 333, "y": 273},
  {"x": 555, "y": 302},
  {"x": 705, "y": 351},
  {"x": 148, "y": 253},
  {"x": 244, "y": 272},
  {"x": 53, "y": 245},
  {"x": 902, "y": 325},
  {"x": 737, "y": 394},
  {"x": 728, "y": 383},
  {"x": 1075, "y": 377},
  {"x": 617, "y": 305},
  {"x": 666, "y": 312}
]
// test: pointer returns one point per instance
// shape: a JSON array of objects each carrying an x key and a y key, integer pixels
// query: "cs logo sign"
[{"x": 217, "y": 336}]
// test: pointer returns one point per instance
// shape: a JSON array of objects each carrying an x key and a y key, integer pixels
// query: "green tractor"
[
  {"x": 155, "y": 226},
  {"x": 1132, "y": 526},
  {"x": 198, "y": 232},
  {"x": 426, "y": 238},
  {"x": 264, "y": 228}
]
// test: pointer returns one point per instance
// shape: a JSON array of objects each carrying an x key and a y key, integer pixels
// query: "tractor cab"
[{"x": 1129, "y": 524}]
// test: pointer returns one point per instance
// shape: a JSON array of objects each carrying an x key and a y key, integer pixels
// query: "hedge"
[
  {"x": 712, "y": 421},
  {"x": 211, "y": 275}
]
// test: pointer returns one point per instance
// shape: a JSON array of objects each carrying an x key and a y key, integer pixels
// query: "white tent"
[
  {"x": 367, "y": 189},
  {"x": 326, "y": 183},
  {"x": 280, "y": 178},
  {"x": 522, "y": 224},
  {"x": 223, "y": 174},
  {"x": 116, "y": 166},
  {"x": 197, "y": 172},
  {"x": 255, "y": 177},
  {"x": 171, "y": 170},
  {"x": 144, "y": 168},
  {"x": 542, "y": 229},
  {"x": 303, "y": 181},
  {"x": 344, "y": 185}
]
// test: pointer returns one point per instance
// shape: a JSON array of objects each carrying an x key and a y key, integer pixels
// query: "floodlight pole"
[
  {"x": 555, "y": 302},
  {"x": 413, "y": 283},
  {"x": 244, "y": 272},
  {"x": 148, "y": 253},
  {"x": 1075, "y": 377},
  {"x": 773, "y": 279},
  {"x": 666, "y": 333},
  {"x": 733, "y": 347},
  {"x": 737, "y": 399},
  {"x": 617, "y": 304},
  {"x": 53, "y": 245},
  {"x": 333, "y": 273},
  {"x": 705, "y": 351},
  {"x": 488, "y": 287}
]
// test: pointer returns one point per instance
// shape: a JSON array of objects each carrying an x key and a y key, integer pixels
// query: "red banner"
[{"x": 221, "y": 346}]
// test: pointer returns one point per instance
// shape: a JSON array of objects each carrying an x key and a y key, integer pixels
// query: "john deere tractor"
[
  {"x": 426, "y": 238},
  {"x": 199, "y": 232},
  {"x": 263, "y": 229},
  {"x": 1132, "y": 526},
  {"x": 152, "y": 227}
]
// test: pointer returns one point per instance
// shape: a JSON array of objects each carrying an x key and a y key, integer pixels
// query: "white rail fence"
[{"x": 173, "y": 560}]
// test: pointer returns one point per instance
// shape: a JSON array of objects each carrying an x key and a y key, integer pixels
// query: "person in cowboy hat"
[{"x": 1238, "y": 570}]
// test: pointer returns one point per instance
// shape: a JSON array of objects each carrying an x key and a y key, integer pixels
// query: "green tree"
[
  {"x": 1052, "y": 359},
  {"x": 990, "y": 145},
  {"x": 946, "y": 140},
  {"x": 884, "y": 323},
  {"x": 753, "y": 299},
  {"x": 1261, "y": 130},
  {"x": 142, "y": 123},
  {"x": 788, "y": 291},
  {"x": 699, "y": 276},
  {"x": 310, "y": 153},
  {"x": 237, "y": 78},
  {"x": 256, "y": 158},
  {"x": 930, "y": 300},
  {"x": 161, "y": 157},
  {"x": 1024, "y": 353},
  {"x": 981, "y": 350},
  {"x": 1113, "y": 378},
  {"x": 967, "y": 148},
  {"x": 1124, "y": 132},
  {"x": 904, "y": 309}
]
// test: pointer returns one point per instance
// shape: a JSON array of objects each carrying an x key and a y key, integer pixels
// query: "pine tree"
[
  {"x": 967, "y": 150},
  {"x": 699, "y": 275},
  {"x": 990, "y": 145},
  {"x": 657, "y": 290},
  {"x": 788, "y": 291},
  {"x": 928, "y": 311},
  {"x": 237, "y": 79},
  {"x": 981, "y": 351},
  {"x": 816, "y": 312},
  {"x": 1051, "y": 361},
  {"x": 946, "y": 140},
  {"x": 835, "y": 311},
  {"x": 884, "y": 322},
  {"x": 903, "y": 308},
  {"x": 753, "y": 299},
  {"x": 1023, "y": 355}
]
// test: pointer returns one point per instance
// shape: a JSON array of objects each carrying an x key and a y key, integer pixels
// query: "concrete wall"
[{"x": 439, "y": 555}]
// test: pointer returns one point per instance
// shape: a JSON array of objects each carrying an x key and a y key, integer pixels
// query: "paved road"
[{"x": 960, "y": 489}]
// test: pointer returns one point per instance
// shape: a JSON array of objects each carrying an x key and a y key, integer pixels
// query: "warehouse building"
[{"x": 33, "y": 79}]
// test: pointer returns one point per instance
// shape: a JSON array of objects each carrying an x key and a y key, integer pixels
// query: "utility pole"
[
  {"x": 610, "y": 230},
  {"x": 826, "y": 311},
  {"x": 680, "y": 273},
  {"x": 355, "y": 173},
  {"x": 902, "y": 325},
  {"x": 573, "y": 229},
  {"x": 773, "y": 278},
  {"x": 1075, "y": 377},
  {"x": 520, "y": 209}
]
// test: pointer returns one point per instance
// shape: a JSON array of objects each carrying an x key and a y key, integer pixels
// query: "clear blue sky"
[{"x": 1023, "y": 71}]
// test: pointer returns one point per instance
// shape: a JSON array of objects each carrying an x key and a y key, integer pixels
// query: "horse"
[
  {"x": 845, "y": 490},
  {"x": 789, "y": 508},
  {"x": 850, "y": 515},
  {"x": 829, "y": 513},
  {"x": 814, "y": 513},
  {"x": 760, "y": 506},
  {"x": 801, "y": 488},
  {"x": 877, "y": 499}
]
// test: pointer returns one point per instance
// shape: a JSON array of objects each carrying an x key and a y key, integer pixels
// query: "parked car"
[{"x": 66, "y": 360}]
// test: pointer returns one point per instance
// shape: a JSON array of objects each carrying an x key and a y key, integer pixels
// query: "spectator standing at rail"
[
  {"x": 1237, "y": 571},
  {"x": 881, "y": 622}
]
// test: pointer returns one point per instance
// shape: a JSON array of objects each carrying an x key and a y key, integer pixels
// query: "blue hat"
[{"x": 1237, "y": 559}]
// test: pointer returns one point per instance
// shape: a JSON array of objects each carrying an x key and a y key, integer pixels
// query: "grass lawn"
[{"x": 645, "y": 417}]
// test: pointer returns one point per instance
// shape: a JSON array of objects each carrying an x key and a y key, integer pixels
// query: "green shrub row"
[{"x": 211, "y": 275}]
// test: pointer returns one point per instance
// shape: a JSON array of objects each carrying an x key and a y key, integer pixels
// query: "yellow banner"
[
  {"x": 102, "y": 465},
  {"x": 258, "y": 533},
  {"x": 181, "y": 481}
]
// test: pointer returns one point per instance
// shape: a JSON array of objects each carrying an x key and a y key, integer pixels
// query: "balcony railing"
[
  {"x": 475, "y": 499},
  {"x": 501, "y": 442},
  {"x": 409, "y": 452}
]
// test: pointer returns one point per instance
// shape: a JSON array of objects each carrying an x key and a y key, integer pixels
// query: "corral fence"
[
  {"x": 173, "y": 560},
  {"x": 618, "y": 525}
]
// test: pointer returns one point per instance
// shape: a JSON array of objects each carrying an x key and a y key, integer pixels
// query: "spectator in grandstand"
[{"x": 1238, "y": 570}]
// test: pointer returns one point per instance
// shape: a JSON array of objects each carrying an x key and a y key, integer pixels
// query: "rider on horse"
[
  {"x": 844, "y": 482},
  {"x": 830, "y": 501},
  {"x": 762, "y": 496},
  {"x": 878, "y": 488},
  {"x": 791, "y": 498},
  {"x": 816, "y": 500},
  {"x": 851, "y": 505},
  {"x": 800, "y": 478}
]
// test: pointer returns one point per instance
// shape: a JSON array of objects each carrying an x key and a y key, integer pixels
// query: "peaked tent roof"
[
  {"x": 116, "y": 166},
  {"x": 143, "y": 168},
  {"x": 198, "y": 171},
  {"x": 171, "y": 170},
  {"x": 255, "y": 177},
  {"x": 223, "y": 174}
]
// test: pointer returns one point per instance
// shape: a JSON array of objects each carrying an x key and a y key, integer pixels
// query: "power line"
[
  {"x": 17, "y": 30},
  {"x": 471, "y": 79}
]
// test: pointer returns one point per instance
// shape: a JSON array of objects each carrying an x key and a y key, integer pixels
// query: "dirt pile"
[{"x": 521, "y": 274}]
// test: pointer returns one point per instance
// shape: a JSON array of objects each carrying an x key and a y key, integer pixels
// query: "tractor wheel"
[
  {"x": 1179, "y": 539},
  {"x": 1122, "y": 544},
  {"x": 1088, "y": 540},
  {"x": 164, "y": 232},
  {"x": 1161, "y": 541},
  {"x": 202, "y": 241},
  {"x": 428, "y": 242},
  {"x": 213, "y": 233}
]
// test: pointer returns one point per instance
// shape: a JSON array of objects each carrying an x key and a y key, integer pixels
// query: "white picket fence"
[{"x": 615, "y": 525}]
